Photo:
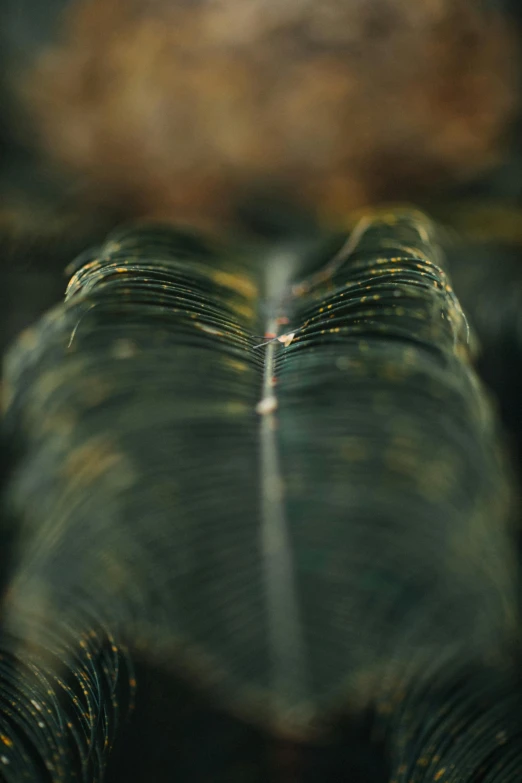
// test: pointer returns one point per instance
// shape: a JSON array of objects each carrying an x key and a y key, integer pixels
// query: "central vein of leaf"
[{"x": 285, "y": 627}]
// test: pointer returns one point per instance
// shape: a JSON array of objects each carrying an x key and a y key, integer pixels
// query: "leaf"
[
  {"x": 60, "y": 701},
  {"x": 300, "y": 526},
  {"x": 458, "y": 728}
]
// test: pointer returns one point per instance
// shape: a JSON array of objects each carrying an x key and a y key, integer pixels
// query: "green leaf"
[{"x": 299, "y": 522}]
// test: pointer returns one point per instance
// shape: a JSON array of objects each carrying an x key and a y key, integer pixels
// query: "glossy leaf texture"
[
  {"x": 458, "y": 727},
  {"x": 299, "y": 523},
  {"x": 61, "y": 701}
]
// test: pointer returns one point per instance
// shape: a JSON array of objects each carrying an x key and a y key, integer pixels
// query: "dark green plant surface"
[{"x": 270, "y": 472}]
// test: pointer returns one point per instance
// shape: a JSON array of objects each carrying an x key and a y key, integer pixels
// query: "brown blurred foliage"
[{"x": 181, "y": 109}]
